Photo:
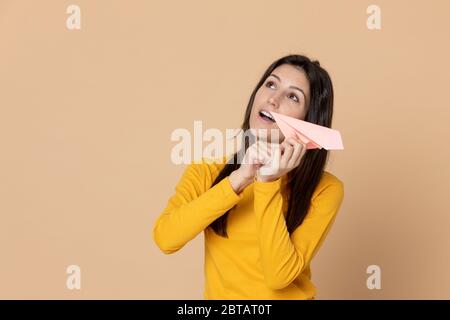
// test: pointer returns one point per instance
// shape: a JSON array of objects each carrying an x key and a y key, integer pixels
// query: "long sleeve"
[
  {"x": 192, "y": 208},
  {"x": 285, "y": 256}
]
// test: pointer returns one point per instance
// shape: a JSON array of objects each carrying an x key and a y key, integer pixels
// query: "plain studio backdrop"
[{"x": 86, "y": 117}]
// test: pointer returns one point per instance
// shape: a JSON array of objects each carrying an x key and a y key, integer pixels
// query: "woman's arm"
[
  {"x": 192, "y": 208},
  {"x": 284, "y": 257}
]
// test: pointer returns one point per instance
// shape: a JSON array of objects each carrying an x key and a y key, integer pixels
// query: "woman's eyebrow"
[{"x": 293, "y": 87}]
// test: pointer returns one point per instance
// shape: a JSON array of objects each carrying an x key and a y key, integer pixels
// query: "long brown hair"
[{"x": 302, "y": 180}]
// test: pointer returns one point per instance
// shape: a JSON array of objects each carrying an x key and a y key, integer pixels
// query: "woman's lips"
[
  {"x": 265, "y": 118},
  {"x": 268, "y": 121}
]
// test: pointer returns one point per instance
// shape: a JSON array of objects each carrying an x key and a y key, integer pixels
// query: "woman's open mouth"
[{"x": 266, "y": 116}]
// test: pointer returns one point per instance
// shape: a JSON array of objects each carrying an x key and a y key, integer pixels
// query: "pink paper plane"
[{"x": 313, "y": 135}]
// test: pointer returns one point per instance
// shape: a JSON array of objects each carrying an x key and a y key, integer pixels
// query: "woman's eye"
[
  {"x": 296, "y": 98},
  {"x": 268, "y": 83}
]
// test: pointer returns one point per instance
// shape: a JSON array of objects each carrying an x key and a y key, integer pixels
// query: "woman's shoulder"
[
  {"x": 330, "y": 178},
  {"x": 207, "y": 169},
  {"x": 331, "y": 182}
]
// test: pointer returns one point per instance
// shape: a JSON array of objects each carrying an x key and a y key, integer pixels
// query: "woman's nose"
[{"x": 274, "y": 101}]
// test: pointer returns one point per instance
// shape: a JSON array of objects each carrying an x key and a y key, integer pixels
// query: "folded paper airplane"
[{"x": 313, "y": 135}]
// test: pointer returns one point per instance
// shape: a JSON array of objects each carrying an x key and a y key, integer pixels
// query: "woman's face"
[{"x": 286, "y": 91}]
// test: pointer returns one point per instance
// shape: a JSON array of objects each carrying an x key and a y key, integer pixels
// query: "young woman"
[{"x": 261, "y": 231}]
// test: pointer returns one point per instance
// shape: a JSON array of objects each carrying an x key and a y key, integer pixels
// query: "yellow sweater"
[{"x": 259, "y": 260}]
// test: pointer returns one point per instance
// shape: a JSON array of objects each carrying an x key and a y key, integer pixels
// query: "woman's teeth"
[{"x": 266, "y": 115}]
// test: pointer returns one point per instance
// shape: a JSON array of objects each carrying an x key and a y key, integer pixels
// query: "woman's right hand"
[{"x": 255, "y": 157}]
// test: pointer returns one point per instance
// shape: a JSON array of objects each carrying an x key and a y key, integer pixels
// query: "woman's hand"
[
  {"x": 277, "y": 159},
  {"x": 253, "y": 159},
  {"x": 290, "y": 153}
]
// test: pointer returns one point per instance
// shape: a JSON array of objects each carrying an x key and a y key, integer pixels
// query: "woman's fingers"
[
  {"x": 251, "y": 155},
  {"x": 297, "y": 153},
  {"x": 287, "y": 154},
  {"x": 288, "y": 149},
  {"x": 257, "y": 153},
  {"x": 282, "y": 146},
  {"x": 265, "y": 147}
]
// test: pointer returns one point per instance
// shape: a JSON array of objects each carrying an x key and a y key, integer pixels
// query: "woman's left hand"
[{"x": 290, "y": 153}]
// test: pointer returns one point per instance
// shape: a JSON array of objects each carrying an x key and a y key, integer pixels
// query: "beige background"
[{"x": 86, "y": 118}]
